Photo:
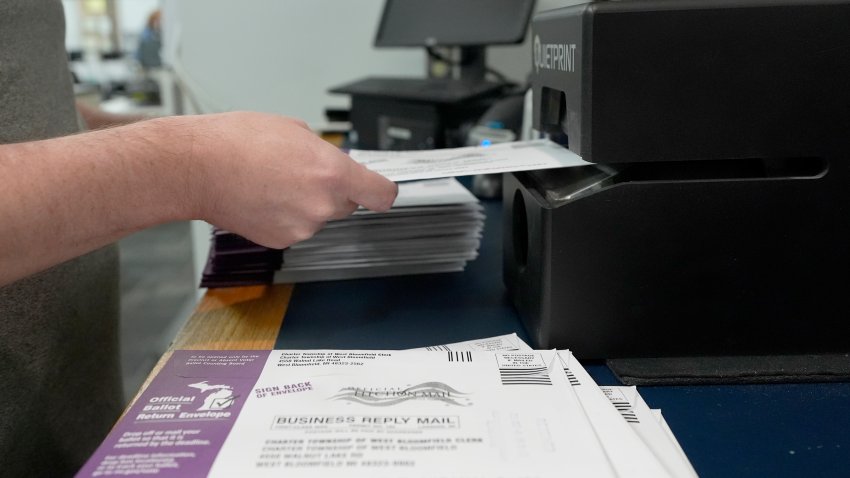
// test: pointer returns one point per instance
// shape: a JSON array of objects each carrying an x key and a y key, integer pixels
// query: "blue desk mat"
[{"x": 781, "y": 430}]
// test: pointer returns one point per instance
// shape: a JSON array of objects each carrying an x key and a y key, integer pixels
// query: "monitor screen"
[{"x": 453, "y": 22}]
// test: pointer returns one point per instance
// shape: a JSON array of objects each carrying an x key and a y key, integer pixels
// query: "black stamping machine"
[{"x": 710, "y": 240}]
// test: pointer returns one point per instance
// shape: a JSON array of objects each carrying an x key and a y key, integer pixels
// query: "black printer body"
[{"x": 716, "y": 217}]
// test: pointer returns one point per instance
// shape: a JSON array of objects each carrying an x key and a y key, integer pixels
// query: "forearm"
[
  {"x": 64, "y": 197},
  {"x": 262, "y": 176}
]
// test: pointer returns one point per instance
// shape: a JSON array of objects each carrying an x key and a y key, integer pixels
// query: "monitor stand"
[{"x": 468, "y": 64}]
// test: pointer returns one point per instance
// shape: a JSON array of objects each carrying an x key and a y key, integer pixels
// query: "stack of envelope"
[
  {"x": 636, "y": 439},
  {"x": 486, "y": 407},
  {"x": 433, "y": 226}
]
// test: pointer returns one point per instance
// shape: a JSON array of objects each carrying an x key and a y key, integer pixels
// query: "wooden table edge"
[{"x": 233, "y": 318}]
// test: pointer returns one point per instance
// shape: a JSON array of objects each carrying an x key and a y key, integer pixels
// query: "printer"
[{"x": 715, "y": 218}]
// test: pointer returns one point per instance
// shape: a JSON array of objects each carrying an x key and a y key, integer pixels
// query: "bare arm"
[{"x": 263, "y": 176}]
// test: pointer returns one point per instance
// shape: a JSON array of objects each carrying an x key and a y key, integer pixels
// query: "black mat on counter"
[{"x": 732, "y": 370}]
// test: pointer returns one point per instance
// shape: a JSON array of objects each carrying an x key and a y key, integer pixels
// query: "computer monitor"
[
  {"x": 453, "y": 23},
  {"x": 466, "y": 26}
]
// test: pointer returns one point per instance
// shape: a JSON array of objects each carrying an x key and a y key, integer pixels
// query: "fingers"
[{"x": 370, "y": 189}]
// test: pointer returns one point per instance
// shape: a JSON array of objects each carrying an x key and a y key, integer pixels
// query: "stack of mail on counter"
[
  {"x": 433, "y": 226},
  {"x": 471, "y": 409}
]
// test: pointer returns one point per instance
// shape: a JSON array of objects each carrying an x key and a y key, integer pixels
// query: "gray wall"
[
  {"x": 282, "y": 55},
  {"x": 277, "y": 55}
]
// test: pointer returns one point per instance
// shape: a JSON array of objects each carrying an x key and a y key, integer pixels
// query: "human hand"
[{"x": 272, "y": 180}]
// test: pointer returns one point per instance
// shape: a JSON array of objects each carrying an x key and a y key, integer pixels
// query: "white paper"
[
  {"x": 422, "y": 414},
  {"x": 502, "y": 343},
  {"x": 363, "y": 271},
  {"x": 659, "y": 417},
  {"x": 663, "y": 444},
  {"x": 469, "y": 160},
  {"x": 434, "y": 226},
  {"x": 434, "y": 192},
  {"x": 629, "y": 455}
]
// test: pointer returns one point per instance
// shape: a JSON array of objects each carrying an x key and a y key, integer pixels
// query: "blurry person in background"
[
  {"x": 150, "y": 43},
  {"x": 145, "y": 90}
]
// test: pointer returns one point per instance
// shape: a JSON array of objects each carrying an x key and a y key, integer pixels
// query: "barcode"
[
  {"x": 437, "y": 348},
  {"x": 460, "y": 356},
  {"x": 572, "y": 377},
  {"x": 625, "y": 409},
  {"x": 525, "y": 376}
]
